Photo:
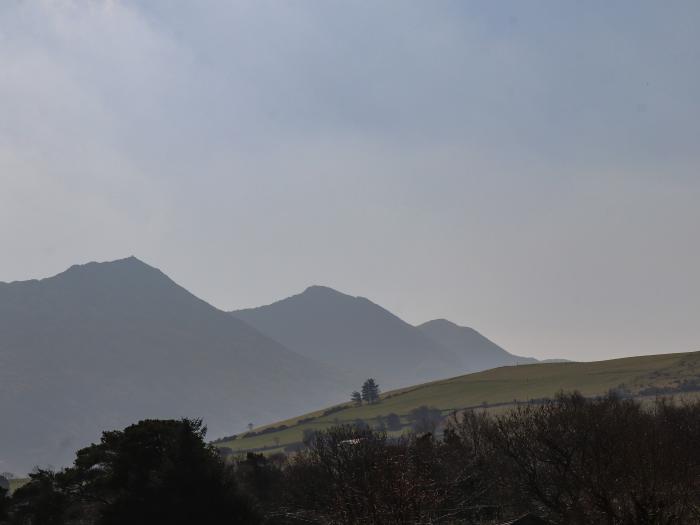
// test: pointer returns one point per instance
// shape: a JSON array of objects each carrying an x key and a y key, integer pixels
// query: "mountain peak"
[
  {"x": 478, "y": 352},
  {"x": 129, "y": 264},
  {"x": 441, "y": 322},
  {"x": 130, "y": 261},
  {"x": 317, "y": 292},
  {"x": 320, "y": 289},
  {"x": 142, "y": 347},
  {"x": 353, "y": 333},
  {"x": 122, "y": 267}
]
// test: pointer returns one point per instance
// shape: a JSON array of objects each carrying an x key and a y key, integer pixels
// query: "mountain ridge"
[
  {"x": 477, "y": 351},
  {"x": 320, "y": 321},
  {"x": 356, "y": 334},
  {"x": 101, "y": 345},
  {"x": 351, "y": 333}
]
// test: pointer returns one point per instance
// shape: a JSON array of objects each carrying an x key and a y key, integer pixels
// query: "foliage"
[
  {"x": 370, "y": 391},
  {"x": 393, "y": 421},
  {"x": 350, "y": 475},
  {"x": 425, "y": 419},
  {"x": 4, "y": 503},
  {"x": 261, "y": 477},
  {"x": 571, "y": 460},
  {"x": 151, "y": 472},
  {"x": 580, "y": 461}
]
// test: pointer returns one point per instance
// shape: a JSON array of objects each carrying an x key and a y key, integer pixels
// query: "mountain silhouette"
[
  {"x": 475, "y": 351},
  {"x": 354, "y": 334},
  {"x": 102, "y": 345}
]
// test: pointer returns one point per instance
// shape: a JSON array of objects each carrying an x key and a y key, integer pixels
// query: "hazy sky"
[{"x": 531, "y": 169}]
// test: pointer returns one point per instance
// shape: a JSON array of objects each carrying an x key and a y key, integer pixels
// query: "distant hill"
[
  {"x": 475, "y": 351},
  {"x": 103, "y": 345},
  {"x": 497, "y": 389},
  {"x": 354, "y": 334}
]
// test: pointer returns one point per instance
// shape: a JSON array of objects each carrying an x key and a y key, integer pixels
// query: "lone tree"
[
  {"x": 370, "y": 391},
  {"x": 357, "y": 398}
]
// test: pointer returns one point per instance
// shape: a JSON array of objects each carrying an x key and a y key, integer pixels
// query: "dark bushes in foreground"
[
  {"x": 570, "y": 461},
  {"x": 154, "y": 472},
  {"x": 579, "y": 461}
]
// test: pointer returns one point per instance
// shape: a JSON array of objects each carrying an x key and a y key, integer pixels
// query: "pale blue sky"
[{"x": 530, "y": 169}]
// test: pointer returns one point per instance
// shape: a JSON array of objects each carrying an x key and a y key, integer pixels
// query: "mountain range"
[
  {"x": 364, "y": 339},
  {"x": 102, "y": 345}
]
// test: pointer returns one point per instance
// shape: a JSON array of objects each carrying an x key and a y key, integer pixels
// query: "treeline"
[{"x": 570, "y": 460}]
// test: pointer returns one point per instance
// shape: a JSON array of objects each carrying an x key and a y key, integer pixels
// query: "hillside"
[
  {"x": 354, "y": 334},
  {"x": 475, "y": 351},
  {"x": 103, "y": 345},
  {"x": 495, "y": 389}
]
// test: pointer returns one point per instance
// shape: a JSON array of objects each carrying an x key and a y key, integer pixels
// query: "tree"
[
  {"x": 307, "y": 435},
  {"x": 352, "y": 475},
  {"x": 370, "y": 391},
  {"x": 425, "y": 419},
  {"x": 381, "y": 424},
  {"x": 261, "y": 476},
  {"x": 580, "y": 461},
  {"x": 357, "y": 398},
  {"x": 4, "y": 504},
  {"x": 44, "y": 500},
  {"x": 156, "y": 471},
  {"x": 393, "y": 422},
  {"x": 360, "y": 424}
]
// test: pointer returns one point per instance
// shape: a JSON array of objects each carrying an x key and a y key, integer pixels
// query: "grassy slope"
[
  {"x": 500, "y": 385},
  {"x": 17, "y": 483}
]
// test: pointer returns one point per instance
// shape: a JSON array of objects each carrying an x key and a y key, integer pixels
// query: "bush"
[
  {"x": 580, "y": 461},
  {"x": 425, "y": 419},
  {"x": 393, "y": 422},
  {"x": 350, "y": 475}
]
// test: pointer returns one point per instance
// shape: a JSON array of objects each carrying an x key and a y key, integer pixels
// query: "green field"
[{"x": 492, "y": 389}]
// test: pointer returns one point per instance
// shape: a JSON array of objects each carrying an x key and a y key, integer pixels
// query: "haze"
[{"x": 529, "y": 169}]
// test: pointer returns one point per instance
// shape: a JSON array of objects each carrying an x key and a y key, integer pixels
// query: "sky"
[{"x": 530, "y": 169}]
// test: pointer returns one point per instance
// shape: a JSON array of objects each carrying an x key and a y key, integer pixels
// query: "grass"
[
  {"x": 492, "y": 389},
  {"x": 16, "y": 483}
]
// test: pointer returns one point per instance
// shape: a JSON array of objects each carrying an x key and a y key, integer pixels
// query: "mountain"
[
  {"x": 475, "y": 351},
  {"x": 354, "y": 334},
  {"x": 102, "y": 345}
]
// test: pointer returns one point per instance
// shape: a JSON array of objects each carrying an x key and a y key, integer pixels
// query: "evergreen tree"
[
  {"x": 156, "y": 471},
  {"x": 370, "y": 391},
  {"x": 357, "y": 398}
]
